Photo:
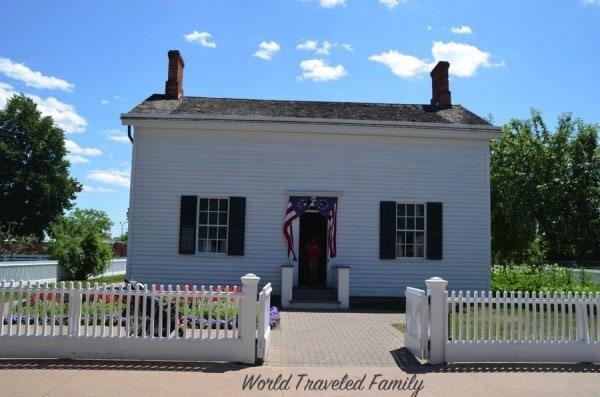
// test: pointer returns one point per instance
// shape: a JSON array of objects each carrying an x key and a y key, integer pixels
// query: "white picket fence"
[
  {"x": 147, "y": 323},
  {"x": 503, "y": 327}
]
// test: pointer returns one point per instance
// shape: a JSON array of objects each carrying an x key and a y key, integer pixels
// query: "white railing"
[
  {"x": 134, "y": 322},
  {"x": 511, "y": 327},
  {"x": 264, "y": 328}
]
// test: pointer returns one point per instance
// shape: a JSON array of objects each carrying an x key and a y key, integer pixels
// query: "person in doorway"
[{"x": 313, "y": 251}]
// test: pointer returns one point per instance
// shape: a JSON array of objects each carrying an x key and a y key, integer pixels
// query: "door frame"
[
  {"x": 330, "y": 262},
  {"x": 324, "y": 255}
]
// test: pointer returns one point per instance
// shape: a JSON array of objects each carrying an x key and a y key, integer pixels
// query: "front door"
[{"x": 313, "y": 250}]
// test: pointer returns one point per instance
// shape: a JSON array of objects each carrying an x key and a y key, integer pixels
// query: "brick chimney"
[
  {"x": 174, "y": 85},
  {"x": 440, "y": 92}
]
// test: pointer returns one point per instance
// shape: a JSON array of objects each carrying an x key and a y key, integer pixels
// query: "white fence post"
[
  {"x": 343, "y": 286},
  {"x": 74, "y": 310},
  {"x": 287, "y": 285},
  {"x": 436, "y": 290},
  {"x": 248, "y": 317},
  {"x": 582, "y": 331}
]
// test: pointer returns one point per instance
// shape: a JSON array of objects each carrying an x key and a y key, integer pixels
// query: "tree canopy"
[
  {"x": 545, "y": 191},
  {"x": 79, "y": 244},
  {"x": 35, "y": 186}
]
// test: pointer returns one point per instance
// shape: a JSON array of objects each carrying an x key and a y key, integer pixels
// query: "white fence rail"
[
  {"x": 47, "y": 270},
  {"x": 264, "y": 328},
  {"x": 140, "y": 322},
  {"x": 512, "y": 327}
]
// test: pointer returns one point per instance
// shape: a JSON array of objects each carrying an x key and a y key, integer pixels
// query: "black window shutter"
[
  {"x": 434, "y": 230},
  {"x": 187, "y": 225},
  {"x": 387, "y": 230},
  {"x": 237, "y": 225}
]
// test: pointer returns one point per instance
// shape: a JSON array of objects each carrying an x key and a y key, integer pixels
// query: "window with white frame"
[
  {"x": 213, "y": 216},
  {"x": 410, "y": 230}
]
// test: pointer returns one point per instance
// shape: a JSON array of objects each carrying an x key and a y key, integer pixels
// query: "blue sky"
[{"x": 85, "y": 63}]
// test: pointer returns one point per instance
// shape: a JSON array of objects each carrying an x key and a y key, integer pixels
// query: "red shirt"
[{"x": 314, "y": 251}]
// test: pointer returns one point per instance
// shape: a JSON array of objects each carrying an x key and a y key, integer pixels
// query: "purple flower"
[{"x": 274, "y": 316}]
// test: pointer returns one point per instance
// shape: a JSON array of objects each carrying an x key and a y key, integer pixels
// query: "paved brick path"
[{"x": 335, "y": 339}]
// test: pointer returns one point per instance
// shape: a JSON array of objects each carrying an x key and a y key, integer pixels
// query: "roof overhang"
[{"x": 312, "y": 126}]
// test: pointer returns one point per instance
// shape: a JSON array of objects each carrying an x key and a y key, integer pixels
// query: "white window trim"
[
  {"x": 412, "y": 258},
  {"x": 211, "y": 197}
]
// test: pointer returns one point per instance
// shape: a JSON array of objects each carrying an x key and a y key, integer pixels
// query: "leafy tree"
[
  {"x": 35, "y": 186},
  {"x": 79, "y": 243},
  {"x": 11, "y": 243},
  {"x": 545, "y": 190}
]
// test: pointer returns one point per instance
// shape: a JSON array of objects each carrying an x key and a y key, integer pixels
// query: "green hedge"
[{"x": 547, "y": 278}]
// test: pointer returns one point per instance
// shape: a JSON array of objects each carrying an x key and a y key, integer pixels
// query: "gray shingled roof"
[{"x": 157, "y": 106}]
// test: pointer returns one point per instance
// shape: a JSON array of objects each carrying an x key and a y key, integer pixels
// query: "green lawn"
[
  {"x": 119, "y": 278},
  {"x": 555, "y": 325}
]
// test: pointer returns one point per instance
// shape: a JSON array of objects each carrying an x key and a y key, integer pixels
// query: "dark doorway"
[{"x": 313, "y": 229}]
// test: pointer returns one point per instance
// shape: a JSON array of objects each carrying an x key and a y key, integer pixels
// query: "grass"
[
  {"x": 400, "y": 327},
  {"x": 119, "y": 278},
  {"x": 552, "y": 321}
]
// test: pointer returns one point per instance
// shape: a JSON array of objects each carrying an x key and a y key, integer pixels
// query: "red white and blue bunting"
[{"x": 298, "y": 205}]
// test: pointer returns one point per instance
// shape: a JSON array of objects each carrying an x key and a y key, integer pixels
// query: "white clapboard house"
[{"x": 389, "y": 194}]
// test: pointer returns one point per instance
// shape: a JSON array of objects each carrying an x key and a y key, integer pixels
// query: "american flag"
[
  {"x": 326, "y": 206},
  {"x": 332, "y": 230},
  {"x": 290, "y": 215}
]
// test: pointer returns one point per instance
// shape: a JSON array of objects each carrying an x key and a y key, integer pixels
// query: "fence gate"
[
  {"x": 417, "y": 323},
  {"x": 263, "y": 336}
]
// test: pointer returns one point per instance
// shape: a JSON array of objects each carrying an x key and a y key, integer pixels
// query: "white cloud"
[
  {"x": 464, "y": 29},
  {"x": 76, "y": 159},
  {"x": 319, "y": 70},
  {"x": 401, "y": 65},
  {"x": 104, "y": 101},
  {"x": 391, "y": 3},
  {"x": 592, "y": 2},
  {"x": 348, "y": 47},
  {"x": 332, "y": 3},
  {"x": 201, "y": 37},
  {"x": 267, "y": 49},
  {"x": 117, "y": 136},
  {"x": 74, "y": 148},
  {"x": 111, "y": 177},
  {"x": 64, "y": 115},
  {"x": 464, "y": 60},
  {"x": 22, "y": 72},
  {"x": 93, "y": 189},
  {"x": 78, "y": 154},
  {"x": 313, "y": 45},
  {"x": 429, "y": 28}
]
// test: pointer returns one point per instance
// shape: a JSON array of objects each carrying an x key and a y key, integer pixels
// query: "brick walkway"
[{"x": 338, "y": 339}]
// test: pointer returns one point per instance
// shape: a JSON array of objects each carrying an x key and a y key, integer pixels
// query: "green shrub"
[
  {"x": 79, "y": 243},
  {"x": 548, "y": 278}
]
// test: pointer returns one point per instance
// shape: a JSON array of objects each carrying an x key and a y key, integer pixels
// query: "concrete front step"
[
  {"x": 316, "y": 294},
  {"x": 314, "y": 299},
  {"x": 312, "y": 305}
]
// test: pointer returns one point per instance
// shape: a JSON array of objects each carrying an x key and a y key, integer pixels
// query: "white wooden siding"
[{"x": 263, "y": 166}]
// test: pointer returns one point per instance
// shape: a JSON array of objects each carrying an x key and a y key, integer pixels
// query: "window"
[
  {"x": 213, "y": 214},
  {"x": 410, "y": 230}
]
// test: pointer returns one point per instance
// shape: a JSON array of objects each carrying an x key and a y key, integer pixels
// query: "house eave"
[{"x": 307, "y": 125}]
